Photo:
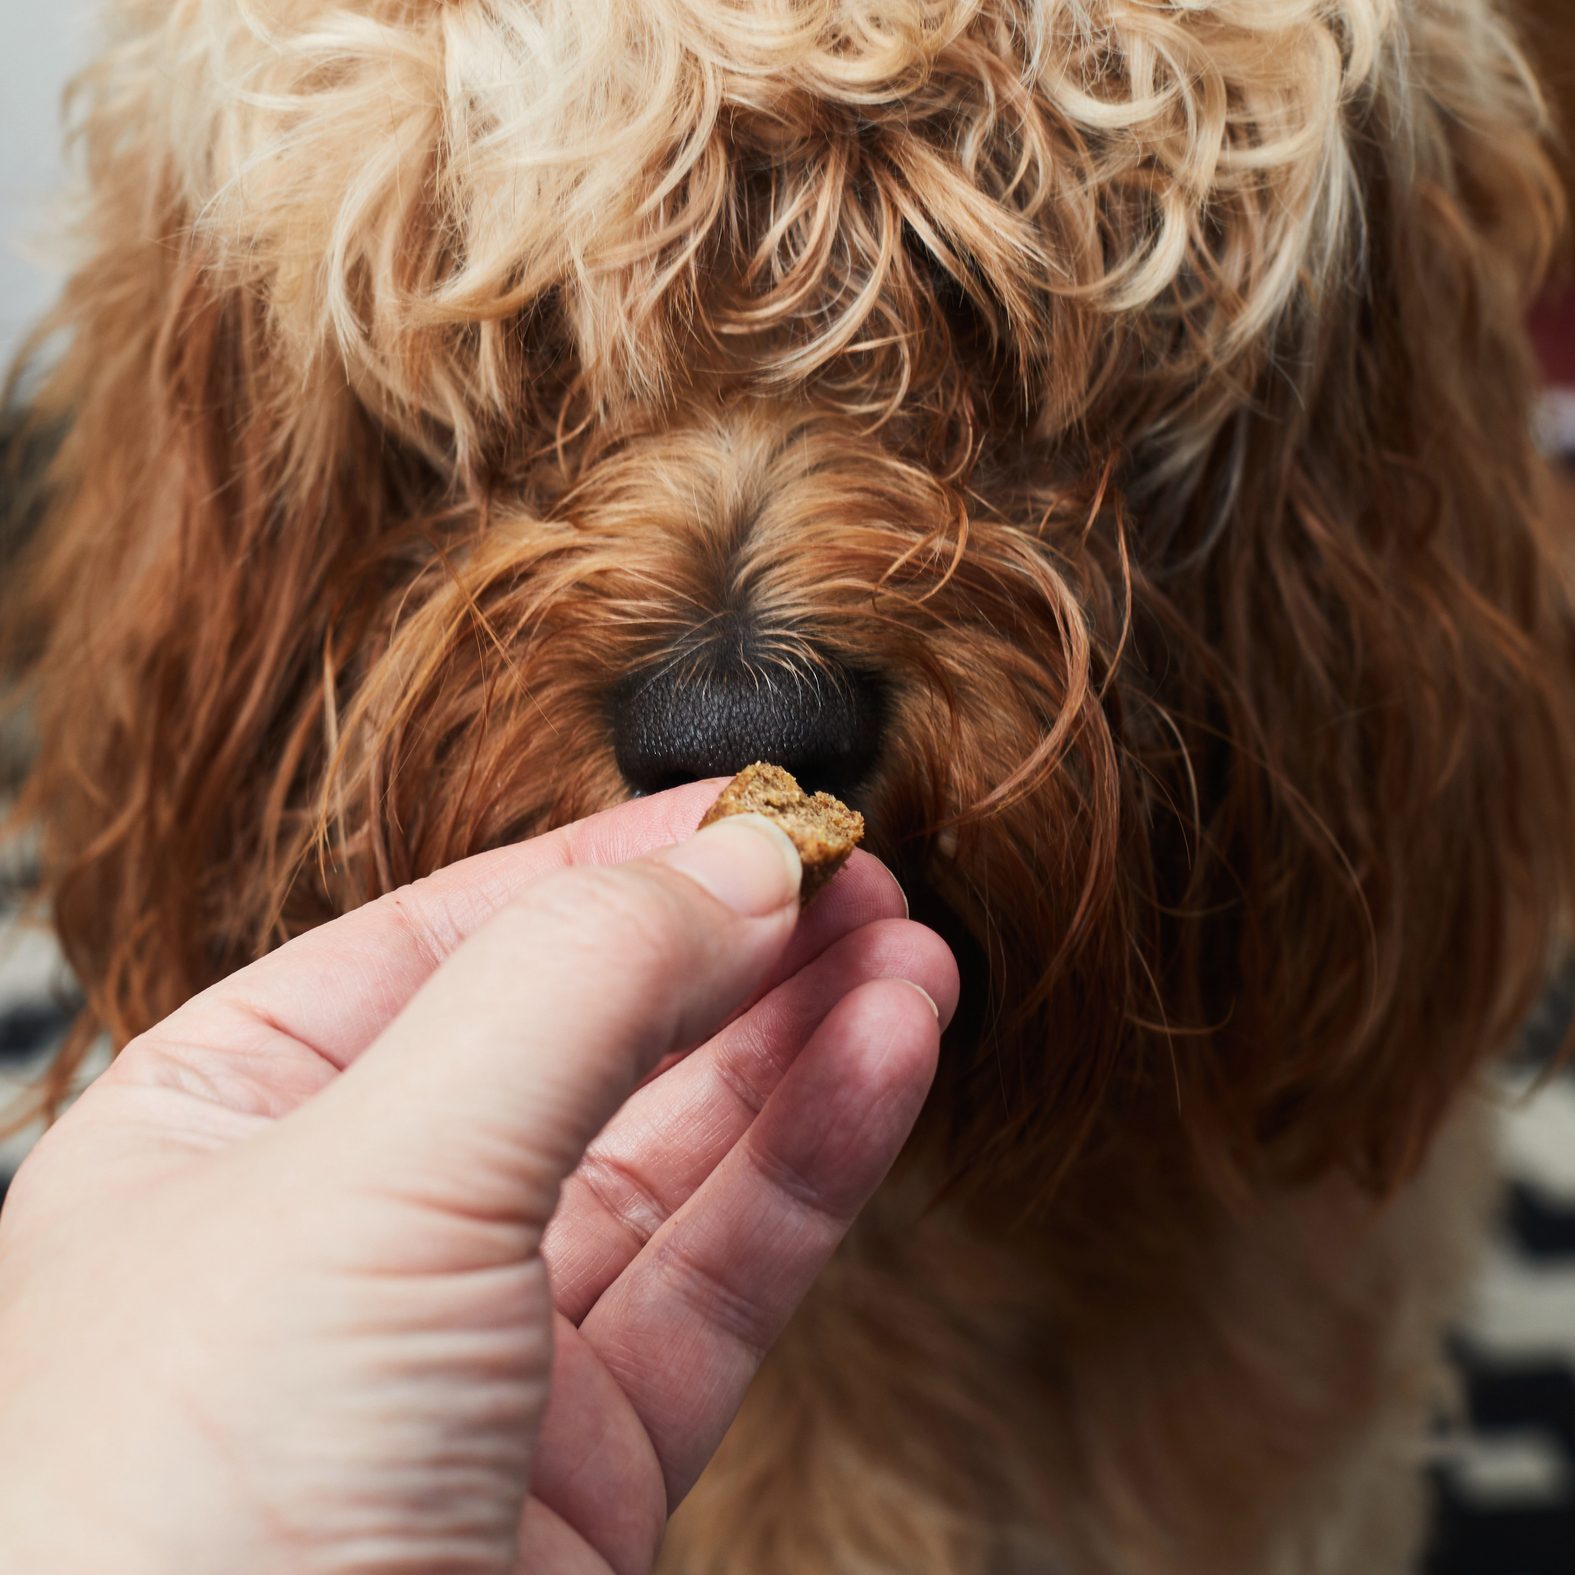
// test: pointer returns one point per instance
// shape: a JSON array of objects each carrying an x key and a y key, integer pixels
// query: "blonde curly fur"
[
  {"x": 402, "y": 184},
  {"x": 1139, "y": 386}
]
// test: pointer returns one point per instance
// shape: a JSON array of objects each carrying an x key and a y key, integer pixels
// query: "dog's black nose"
[{"x": 683, "y": 720}]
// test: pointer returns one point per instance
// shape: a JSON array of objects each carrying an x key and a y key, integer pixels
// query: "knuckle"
[
  {"x": 622, "y": 1193},
  {"x": 803, "y": 1192},
  {"x": 722, "y": 1307},
  {"x": 425, "y": 929}
]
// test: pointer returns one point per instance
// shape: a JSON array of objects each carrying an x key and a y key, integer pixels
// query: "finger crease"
[
  {"x": 623, "y": 1196},
  {"x": 793, "y": 1184},
  {"x": 731, "y": 1075},
  {"x": 718, "y": 1305}
]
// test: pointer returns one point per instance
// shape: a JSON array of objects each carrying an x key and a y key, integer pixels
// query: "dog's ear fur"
[
  {"x": 1344, "y": 706},
  {"x": 1379, "y": 694},
  {"x": 205, "y": 503}
]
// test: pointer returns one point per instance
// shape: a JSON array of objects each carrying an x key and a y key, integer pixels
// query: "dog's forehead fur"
[{"x": 595, "y": 202}]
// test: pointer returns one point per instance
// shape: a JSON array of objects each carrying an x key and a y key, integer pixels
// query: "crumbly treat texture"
[{"x": 824, "y": 830}]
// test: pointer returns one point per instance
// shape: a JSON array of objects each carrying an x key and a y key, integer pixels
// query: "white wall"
[{"x": 41, "y": 44}]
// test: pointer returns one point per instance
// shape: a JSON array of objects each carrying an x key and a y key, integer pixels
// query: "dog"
[{"x": 1093, "y": 436}]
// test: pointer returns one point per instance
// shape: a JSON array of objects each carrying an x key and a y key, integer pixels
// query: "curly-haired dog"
[{"x": 1093, "y": 433}]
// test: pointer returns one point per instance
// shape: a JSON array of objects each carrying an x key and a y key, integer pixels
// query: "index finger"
[{"x": 336, "y": 988}]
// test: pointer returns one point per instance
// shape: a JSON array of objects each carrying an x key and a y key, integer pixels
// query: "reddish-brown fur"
[{"x": 1189, "y": 506}]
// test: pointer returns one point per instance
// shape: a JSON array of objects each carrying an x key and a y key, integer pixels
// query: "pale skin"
[{"x": 415, "y": 1247}]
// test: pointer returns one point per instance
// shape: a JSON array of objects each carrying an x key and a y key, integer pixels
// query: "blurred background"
[
  {"x": 1504, "y": 1468},
  {"x": 40, "y": 45}
]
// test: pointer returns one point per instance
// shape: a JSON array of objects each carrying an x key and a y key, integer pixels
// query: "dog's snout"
[{"x": 680, "y": 721}]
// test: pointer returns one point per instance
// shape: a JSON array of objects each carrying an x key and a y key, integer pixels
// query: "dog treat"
[{"x": 824, "y": 830}]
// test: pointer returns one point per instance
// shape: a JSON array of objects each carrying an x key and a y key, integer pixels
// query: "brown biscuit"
[{"x": 824, "y": 830}]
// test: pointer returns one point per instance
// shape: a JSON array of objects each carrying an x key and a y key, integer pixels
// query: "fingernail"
[
  {"x": 745, "y": 862},
  {"x": 902, "y": 891},
  {"x": 929, "y": 1000}
]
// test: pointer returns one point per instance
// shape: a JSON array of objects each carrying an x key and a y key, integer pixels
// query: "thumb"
[{"x": 483, "y": 1094}]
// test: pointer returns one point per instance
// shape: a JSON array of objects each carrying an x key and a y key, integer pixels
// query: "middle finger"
[{"x": 672, "y": 1133}]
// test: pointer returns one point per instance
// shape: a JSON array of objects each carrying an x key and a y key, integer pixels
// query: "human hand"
[{"x": 278, "y": 1292}]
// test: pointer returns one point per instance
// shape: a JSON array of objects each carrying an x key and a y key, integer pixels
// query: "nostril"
[{"x": 675, "y": 723}]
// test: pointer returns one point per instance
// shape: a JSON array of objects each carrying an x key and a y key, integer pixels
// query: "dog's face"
[{"x": 1089, "y": 433}]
